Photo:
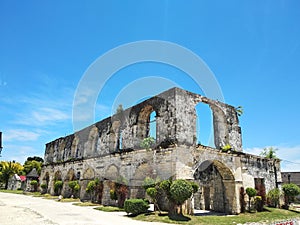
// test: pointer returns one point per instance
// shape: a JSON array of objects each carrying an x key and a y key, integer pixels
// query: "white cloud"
[
  {"x": 48, "y": 114},
  {"x": 20, "y": 135},
  {"x": 42, "y": 116},
  {"x": 288, "y": 154},
  {"x": 19, "y": 153}
]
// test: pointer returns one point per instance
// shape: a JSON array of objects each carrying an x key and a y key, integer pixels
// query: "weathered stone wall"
[
  {"x": 230, "y": 172},
  {"x": 110, "y": 149},
  {"x": 175, "y": 122}
]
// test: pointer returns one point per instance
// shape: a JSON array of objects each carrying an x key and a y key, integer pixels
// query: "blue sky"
[{"x": 252, "y": 47}]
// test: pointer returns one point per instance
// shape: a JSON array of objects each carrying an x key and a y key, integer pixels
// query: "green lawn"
[
  {"x": 12, "y": 191},
  {"x": 85, "y": 204},
  {"x": 270, "y": 215},
  {"x": 109, "y": 209}
]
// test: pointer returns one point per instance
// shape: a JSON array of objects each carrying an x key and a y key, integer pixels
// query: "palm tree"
[
  {"x": 269, "y": 153},
  {"x": 7, "y": 169},
  {"x": 239, "y": 110}
]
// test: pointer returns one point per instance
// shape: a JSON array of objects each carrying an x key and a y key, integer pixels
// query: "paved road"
[{"x": 27, "y": 210}]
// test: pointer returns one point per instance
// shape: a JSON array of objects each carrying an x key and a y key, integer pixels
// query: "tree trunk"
[{"x": 6, "y": 184}]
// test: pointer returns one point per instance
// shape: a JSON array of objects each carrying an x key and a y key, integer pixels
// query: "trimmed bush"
[
  {"x": 251, "y": 192},
  {"x": 290, "y": 191},
  {"x": 135, "y": 206},
  {"x": 34, "y": 184},
  {"x": 259, "y": 205},
  {"x": 180, "y": 191},
  {"x": 273, "y": 197},
  {"x": 58, "y": 186}
]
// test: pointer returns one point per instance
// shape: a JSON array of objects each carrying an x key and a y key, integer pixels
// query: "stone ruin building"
[{"x": 112, "y": 148}]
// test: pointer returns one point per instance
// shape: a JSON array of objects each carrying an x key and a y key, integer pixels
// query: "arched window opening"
[
  {"x": 152, "y": 125},
  {"x": 205, "y": 130}
]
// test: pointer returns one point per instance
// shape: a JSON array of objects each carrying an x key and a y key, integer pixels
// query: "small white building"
[{"x": 16, "y": 182}]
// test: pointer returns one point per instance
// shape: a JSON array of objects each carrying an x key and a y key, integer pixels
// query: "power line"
[{"x": 289, "y": 161}]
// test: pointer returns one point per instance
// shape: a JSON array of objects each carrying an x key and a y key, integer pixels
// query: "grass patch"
[
  {"x": 270, "y": 215},
  {"x": 48, "y": 196},
  {"x": 85, "y": 204},
  {"x": 69, "y": 200},
  {"x": 12, "y": 191},
  {"x": 34, "y": 194},
  {"x": 109, "y": 209}
]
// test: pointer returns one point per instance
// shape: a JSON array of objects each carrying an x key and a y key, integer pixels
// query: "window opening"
[
  {"x": 152, "y": 125},
  {"x": 205, "y": 131}
]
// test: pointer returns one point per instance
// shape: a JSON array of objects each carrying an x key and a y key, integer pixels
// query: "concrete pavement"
[{"x": 27, "y": 210}]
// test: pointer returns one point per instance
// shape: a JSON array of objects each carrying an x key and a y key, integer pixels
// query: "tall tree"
[
  {"x": 35, "y": 158},
  {"x": 29, "y": 165},
  {"x": 7, "y": 169}
]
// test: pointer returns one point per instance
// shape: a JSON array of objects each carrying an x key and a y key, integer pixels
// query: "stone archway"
[
  {"x": 144, "y": 121},
  {"x": 46, "y": 180},
  {"x": 217, "y": 190},
  {"x": 66, "y": 192},
  {"x": 88, "y": 175}
]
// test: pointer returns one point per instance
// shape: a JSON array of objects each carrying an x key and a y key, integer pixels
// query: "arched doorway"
[{"x": 217, "y": 187}]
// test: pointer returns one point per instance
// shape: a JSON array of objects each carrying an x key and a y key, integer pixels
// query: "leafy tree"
[
  {"x": 180, "y": 191},
  {"x": 35, "y": 158},
  {"x": 290, "y": 191},
  {"x": 8, "y": 169},
  {"x": 147, "y": 143},
  {"x": 251, "y": 192},
  {"x": 273, "y": 197},
  {"x": 269, "y": 153},
  {"x": 153, "y": 190},
  {"x": 29, "y": 165},
  {"x": 153, "y": 193}
]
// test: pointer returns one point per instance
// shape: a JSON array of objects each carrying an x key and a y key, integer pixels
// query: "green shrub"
[
  {"x": 113, "y": 195},
  {"x": 147, "y": 143},
  {"x": 152, "y": 192},
  {"x": 259, "y": 205},
  {"x": 135, "y": 206},
  {"x": 195, "y": 187},
  {"x": 273, "y": 197},
  {"x": 58, "y": 186},
  {"x": 77, "y": 187},
  {"x": 226, "y": 148},
  {"x": 148, "y": 182},
  {"x": 33, "y": 182},
  {"x": 43, "y": 186},
  {"x": 290, "y": 191}
]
